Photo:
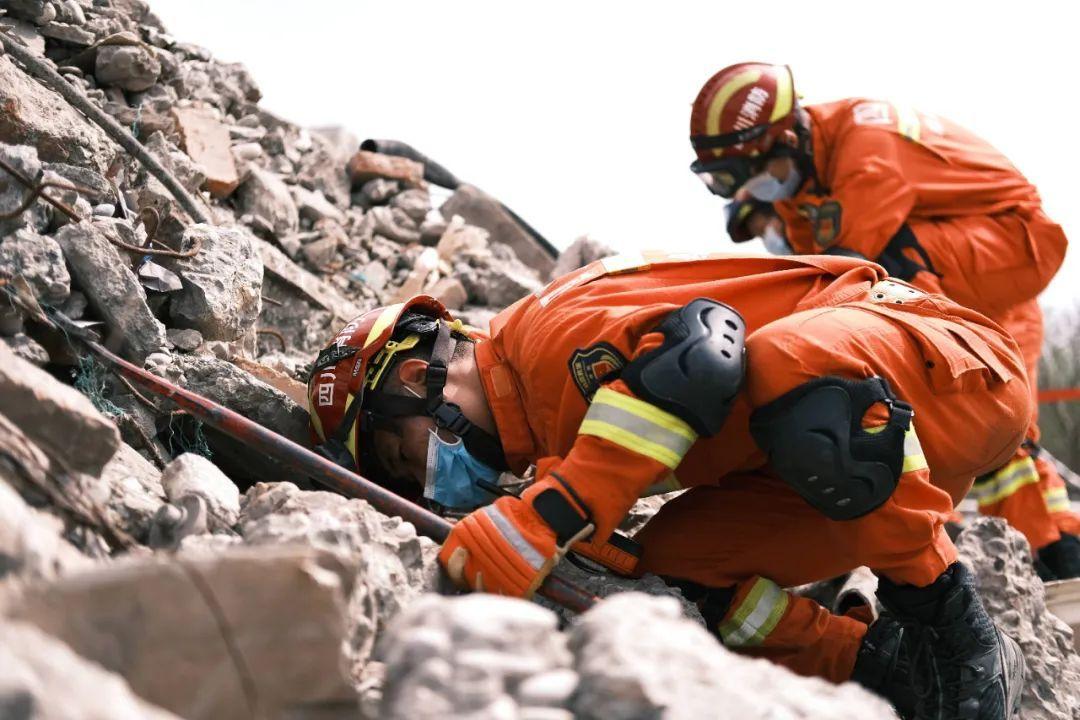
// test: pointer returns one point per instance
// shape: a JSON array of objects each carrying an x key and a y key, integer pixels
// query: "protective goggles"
[{"x": 724, "y": 176}]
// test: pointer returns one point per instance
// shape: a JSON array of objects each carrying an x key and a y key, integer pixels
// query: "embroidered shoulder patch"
[
  {"x": 826, "y": 221},
  {"x": 591, "y": 366}
]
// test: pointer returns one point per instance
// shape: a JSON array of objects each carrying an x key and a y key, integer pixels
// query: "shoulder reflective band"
[
  {"x": 1002, "y": 483},
  {"x": 638, "y": 426},
  {"x": 738, "y": 137},
  {"x": 751, "y": 620},
  {"x": 1057, "y": 499}
]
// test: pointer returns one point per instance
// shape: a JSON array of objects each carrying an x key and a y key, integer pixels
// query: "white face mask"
[
  {"x": 775, "y": 242},
  {"x": 764, "y": 186}
]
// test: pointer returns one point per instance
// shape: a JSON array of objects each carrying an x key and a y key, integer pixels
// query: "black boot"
[
  {"x": 1060, "y": 560},
  {"x": 961, "y": 665},
  {"x": 883, "y": 665}
]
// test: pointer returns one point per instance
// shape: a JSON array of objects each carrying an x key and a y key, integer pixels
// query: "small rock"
[
  {"x": 131, "y": 67},
  {"x": 31, "y": 542},
  {"x": 192, "y": 474},
  {"x": 390, "y": 226},
  {"x": 379, "y": 191},
  {"x": 314, "y": 206},
  {"x": 184, "y": 339},
  {"x": 206, "y": 141},
  {"x": 366, "y": 165},
  {"x": 28, "y": 349},
  {"x": 38, "y": 12},
  {"x": 23, "y": 158},
  {"x": 450, "y": 292},
  {"x": 320, "y": 253},
  {"x": 415, "y": 202},
  {"x": 581, "y": 252},
  {"x": 548, "y": 689},
  {"x": 376, "y": 276},
  {"x": 38, "y": 260},
  {"x": 70, "y": 34}
]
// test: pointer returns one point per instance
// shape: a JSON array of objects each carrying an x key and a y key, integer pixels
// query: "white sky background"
[{"x": 576, "y": 114}]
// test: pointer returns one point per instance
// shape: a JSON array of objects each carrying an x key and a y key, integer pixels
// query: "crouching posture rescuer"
[{"x": 820, "y": 415}]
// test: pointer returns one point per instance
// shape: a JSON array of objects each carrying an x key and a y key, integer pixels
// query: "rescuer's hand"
[{"x": 503, "y": 548}]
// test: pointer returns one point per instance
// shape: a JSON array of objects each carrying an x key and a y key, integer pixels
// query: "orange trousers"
[
  {"x": 998, "y": 265},
  {"x": 753, "y": 532}
]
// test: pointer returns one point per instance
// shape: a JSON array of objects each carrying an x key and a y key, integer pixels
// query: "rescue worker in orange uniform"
[
  {"x": 809, "y": 405},
  {"x": 926, "y": 199}
]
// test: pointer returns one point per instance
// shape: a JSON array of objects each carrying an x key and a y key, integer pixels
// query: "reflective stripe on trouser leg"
[
  {"x": 638, "y": 426},
  {"x": 914, "y": 459},
  {"x": 750, "y": 621},
  {"x": 1005, "y": 482}
]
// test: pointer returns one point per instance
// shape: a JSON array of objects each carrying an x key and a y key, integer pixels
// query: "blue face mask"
[{"x": 452, "y": 473}]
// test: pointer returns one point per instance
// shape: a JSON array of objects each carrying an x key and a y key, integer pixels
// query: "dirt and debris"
[{"x": 150, "y": 565}]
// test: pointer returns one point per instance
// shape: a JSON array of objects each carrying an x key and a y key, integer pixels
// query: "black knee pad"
[
  {"x": 697, "y": 371},
  {"x": 815, "y": 442}
]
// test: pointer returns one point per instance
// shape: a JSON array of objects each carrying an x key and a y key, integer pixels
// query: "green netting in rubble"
[{"x": 90, "y": 380}]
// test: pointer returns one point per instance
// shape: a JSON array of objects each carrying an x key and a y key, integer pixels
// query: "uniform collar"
[{"x": 503, "y": 397}]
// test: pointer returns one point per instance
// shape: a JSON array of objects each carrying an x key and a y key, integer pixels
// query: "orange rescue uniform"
[
  {"x": 548, "y": 372},
  {"x": 985, "y": 242}
]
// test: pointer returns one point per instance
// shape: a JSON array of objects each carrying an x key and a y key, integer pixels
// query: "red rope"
[{"x": 1059, "y": 395}]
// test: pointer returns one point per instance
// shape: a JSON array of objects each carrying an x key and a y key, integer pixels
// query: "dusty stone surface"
[
  {"x": 44, "y": 679},
  {"x": 580, "y": 253},
  {"x": 57, "y": 417},
  {"x": 112, "y": 289},
  {"x": 192, "y": 474},
  {"x": 394, "y": 564},
  {"x": 265, "y": 197},
  {"x": 637, "y": 657},
  {"x": 196, "y": 617},
  {"x": 222, "y": 283},
  {"x": 38, "y": 260},
  {"x": 23, "y": 158},
  {"x": 1014, "y": 596},
  {"x": 31, "y": 542},
  {"x": 36, "y": 116},
  {"x": 130, "y": 488},
  {"x": 206, "y": 140},
  {"x": 481, "y": 209},
  {"x": 474, "y": 656}
]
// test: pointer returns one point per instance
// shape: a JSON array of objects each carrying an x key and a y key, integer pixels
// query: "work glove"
[{"x": 506, "y": 548}]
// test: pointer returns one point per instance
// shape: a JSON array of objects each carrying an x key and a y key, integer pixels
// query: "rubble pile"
[{"x": 153, "y": 567}]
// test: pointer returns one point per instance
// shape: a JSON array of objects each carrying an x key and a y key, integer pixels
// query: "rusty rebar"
[
  {"x": 36, "y": 189},
  {"x": 276, "y": 334}
]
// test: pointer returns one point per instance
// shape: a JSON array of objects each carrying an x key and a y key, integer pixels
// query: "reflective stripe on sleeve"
[
  {"x": 1057, "y": 500},
  {"x": 515, "y": 539},
  {"x": 638, "y": 426},
  {"x": 914, "y": 459},
  {"x": 756, "y": 616},
  {"x": 1005, "y": 482}
]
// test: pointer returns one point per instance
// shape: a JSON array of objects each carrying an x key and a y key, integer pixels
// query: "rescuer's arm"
[
  {"x": 875, "y": 198},
  {"x": 679, "y": 385}
]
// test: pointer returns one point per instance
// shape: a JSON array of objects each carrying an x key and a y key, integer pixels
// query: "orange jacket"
[
  {"x": 879, "y": 165},
  {"x": 548, "y": 354}
]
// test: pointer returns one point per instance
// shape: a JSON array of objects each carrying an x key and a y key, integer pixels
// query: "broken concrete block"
[
  {"x": 225, "y": 383},
  {"x": 366, "y": 165},
  {"x": 485, "y": 211},
  {"x": 13, "y": 193},
  {"x": 450, "y": 292},
  {"x": 396, "y": 565},
  {"x": 191, "y": 474},
  {"x": 38, "y": 12},
  {"x": 1016, "y": 599},
  {"x": 129, "y": 67},
  {"x": 44, "y": 680},
  {"x": 581, "y": 252},
  {"x": 34, "y": 115},
  {"x": 112, "y": 289},
  {"x": 470, "y": 657},
  {"x": 314, "y": 206},
  {"x": 28, "y": 349},
  {"x": 57, "y": 417},
  {"x": 389, "y": 225},
  {"x": 205, "y": 636},
  {"x": 318, "y": 291},
  {"x": 638, "y": 657},
  {"x": 68, "y": 33},
  {"x": 31, "y": 542},
  {"x": 206, "y": 141},
  {"x": 222, "y": 283},
  {"x": 414, "y": 202},
  {"x": 265, "y": 197},
  {"x": 39, "y": 261}
]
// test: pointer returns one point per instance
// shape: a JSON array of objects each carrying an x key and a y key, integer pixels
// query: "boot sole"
[{"x": 1013, "y": 672}]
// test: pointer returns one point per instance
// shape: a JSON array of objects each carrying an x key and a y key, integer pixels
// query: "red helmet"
[
  {"x": 344, "y": 399},
  {"x": 737, "y": 116}
]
